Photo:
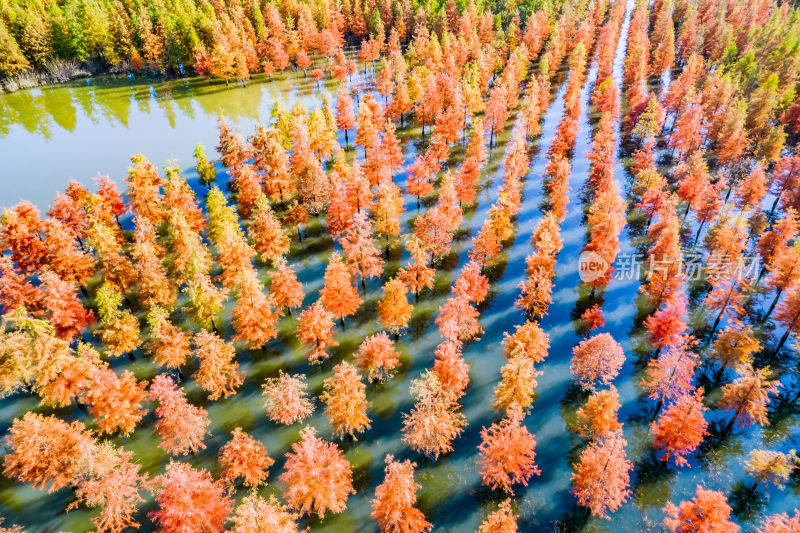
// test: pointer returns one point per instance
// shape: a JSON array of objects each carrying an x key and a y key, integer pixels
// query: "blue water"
[{"x": 74, "y": 131}]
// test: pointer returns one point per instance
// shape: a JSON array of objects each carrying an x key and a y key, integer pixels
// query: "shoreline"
[{"x": 58, "y": 72}]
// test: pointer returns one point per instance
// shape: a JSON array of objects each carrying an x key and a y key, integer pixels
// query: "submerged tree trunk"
[{"x": 774, "y": 303}]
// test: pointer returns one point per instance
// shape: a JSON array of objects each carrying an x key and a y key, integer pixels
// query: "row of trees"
[
  {"x": 181, "y": 264},
  {"x": 711, "y": 134},
  {"x": 78, "y": 272},
  {"x": 229, "y": 39}
]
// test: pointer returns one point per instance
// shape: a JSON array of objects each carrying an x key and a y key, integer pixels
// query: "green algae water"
[{"x": 77, "y": 130}]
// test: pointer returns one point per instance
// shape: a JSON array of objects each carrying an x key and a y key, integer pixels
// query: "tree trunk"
[
  {"x": 774, "y": 205},
  {"x": 685, "y": 214},
  {"x": 718, "y": 374},
  {"x": 721, "y": 312},
  {"x": 786, "y": 335},
  {"x": 697, "y": 236},
  {"x": 774, "y": 303},
  {"x": 795, "y": 397},
  {"x": 716, "y": 323},
  {"x": 729, "y": 427},
  {"x": 659, "y": 404},
  {"x": 782, "y": 341},
  {"x": 760, "y": 274}
]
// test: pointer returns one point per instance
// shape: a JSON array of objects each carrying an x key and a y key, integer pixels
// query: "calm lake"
[{"x": 77, "y": 130}]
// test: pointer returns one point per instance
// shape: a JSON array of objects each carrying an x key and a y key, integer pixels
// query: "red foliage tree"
[
  {"x": 435, "y": 420},
  {"x": 496, "y": 112},
  {"x": 107, "y": 190},
  {"x": 66, "y": 312},
  {"x": 378, "y": 357},
  {"x": 528, "y": 340},
  {"x": 253, "y": 316},
  {"x": 592, "y": 318},
  {"x": 598, "y": 358},
  {"x": 315, "y": 329},
  {"x": 393, "y": 505},
  {"x": 450, "y": 368},
  {"x": 535, "y": 294},
  {"x": 180, "y": 424},
  {"x": 22, "y": 231},
  {"x": 169, "y": 344},
  {"x": 71, "y": 215},
  {"x": 16, "y": 291},
  {"x": 45, "y": 449},
  {"x": 458, "y": 320},
  {"x": 246, "y": 458},
  {"x": 114, "y": 484},
  {"x": 286, "y": 398},
  {"x": 339, "y": 295},
  {"x": 154, "y": 287},
  {"x": 780, "y": 523},
  {"x": 345, "y": 118},
  {"x": 667, "y": 326},
  {"x": 670, "y": 375},
  {"x": 598, "y": 416},
  {"x": 359, "y": 248},
  {"x": 266, "y": 232},
  {"x": 602, "y": 475},
  {"x": 507, "y": 452},
  {"x": 708, "y": 511},
  {"x": 471, "y": 283},
  {"x": 144, "y": 190},
  {"x": 318, "y": 477},
  {"x": 190, "y": 500},
  {"x": 503, "y": 520},
  {"x": 115, "y": 401},
  {"x": 285, "y": 289},
  {"x": 681, "y": 427},
  {"x": 217, "y": 373},
  {"x": 255, "y": 514},
  {"x": 419, "y": 179}
]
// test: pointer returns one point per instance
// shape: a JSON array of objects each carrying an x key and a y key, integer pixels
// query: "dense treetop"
[{"x": 192, "y": 279}]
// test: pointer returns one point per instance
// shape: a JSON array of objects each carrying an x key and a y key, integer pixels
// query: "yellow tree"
[
  {"x": 394, "y": 310},
  {"x": 345, "y": 398}
]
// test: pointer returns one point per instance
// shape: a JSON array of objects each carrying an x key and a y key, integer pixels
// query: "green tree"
[{"x": 11, "y": 59}]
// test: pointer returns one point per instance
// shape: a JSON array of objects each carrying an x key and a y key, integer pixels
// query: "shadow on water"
[{"x": 163, "y": 119}]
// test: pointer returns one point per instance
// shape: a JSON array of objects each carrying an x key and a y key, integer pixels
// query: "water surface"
[{"x": 74, "y": 131}]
